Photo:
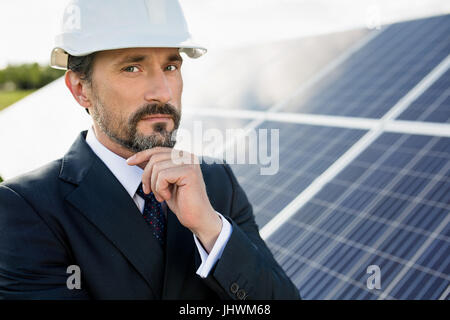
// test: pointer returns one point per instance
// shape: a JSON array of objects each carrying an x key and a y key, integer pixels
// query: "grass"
[{"x": 9, "y": 97}]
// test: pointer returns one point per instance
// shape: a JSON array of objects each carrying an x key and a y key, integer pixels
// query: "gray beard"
[{"x": 133, "y": 140}]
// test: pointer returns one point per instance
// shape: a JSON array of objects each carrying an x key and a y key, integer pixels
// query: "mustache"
[{"x": 154, "y": 108}]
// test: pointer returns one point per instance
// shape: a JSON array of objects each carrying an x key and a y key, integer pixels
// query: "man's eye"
[
  {"x": 131, "y": 69},
  {"x": 171, "y": 67}
]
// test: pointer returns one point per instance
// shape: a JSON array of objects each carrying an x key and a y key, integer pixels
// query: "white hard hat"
[{"x": 95, "y": 25}]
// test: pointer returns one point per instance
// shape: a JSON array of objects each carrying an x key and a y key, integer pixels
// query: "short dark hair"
[{"x": 83, "y": 66}]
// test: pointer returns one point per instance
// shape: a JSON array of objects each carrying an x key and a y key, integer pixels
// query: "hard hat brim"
[{"x": 59, "y": 56}]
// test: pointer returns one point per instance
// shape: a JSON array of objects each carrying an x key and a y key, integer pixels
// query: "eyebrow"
[
  {"x": 139, "y": 58},
  {"x": 130, "y": 59},
  {"x": 174, "y": 57}
]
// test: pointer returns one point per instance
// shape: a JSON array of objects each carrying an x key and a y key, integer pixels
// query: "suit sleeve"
[
  {"x": 33, "y": 262},
  {"x": 247, "y": 269}
]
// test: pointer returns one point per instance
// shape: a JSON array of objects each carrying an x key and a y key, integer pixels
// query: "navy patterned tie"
[{"x": 153, "y": 214}]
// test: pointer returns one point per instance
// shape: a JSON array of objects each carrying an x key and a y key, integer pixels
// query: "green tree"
[{"x": 28, "y": 76}]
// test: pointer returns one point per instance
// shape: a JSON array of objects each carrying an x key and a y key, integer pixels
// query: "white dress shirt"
[{"x": 131, "y": 176}]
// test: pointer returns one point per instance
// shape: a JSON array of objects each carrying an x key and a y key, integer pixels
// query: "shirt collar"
[{"x": 129, "y": 176}]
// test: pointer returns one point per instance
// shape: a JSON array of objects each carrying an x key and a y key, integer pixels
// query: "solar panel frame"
[{"x": 433, "y": 105}]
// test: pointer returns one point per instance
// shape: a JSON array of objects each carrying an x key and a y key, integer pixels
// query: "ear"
[{"x": 78, "y": 88}]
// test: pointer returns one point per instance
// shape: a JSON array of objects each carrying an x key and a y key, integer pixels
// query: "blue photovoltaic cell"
[
  {"x": 390, "y": 207},
  {"x": 433, "y": 105},
  {"x": 432, "y": 287},
  {"x": 374, "y": 78},
  {"x": 437, "y": 258},
  {"x": 305, "y": 152}
]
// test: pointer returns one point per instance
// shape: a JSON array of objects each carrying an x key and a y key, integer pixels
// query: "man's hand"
[{"x": 175, "y": 176}]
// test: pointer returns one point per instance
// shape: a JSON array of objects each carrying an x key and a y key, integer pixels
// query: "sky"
[{"x": 28, "y": 26}]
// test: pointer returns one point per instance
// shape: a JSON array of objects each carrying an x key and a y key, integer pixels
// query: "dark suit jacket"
[{"x": 73, "y": 211}]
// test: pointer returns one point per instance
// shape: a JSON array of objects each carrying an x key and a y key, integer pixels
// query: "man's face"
[{"x": 136, "y": 96}]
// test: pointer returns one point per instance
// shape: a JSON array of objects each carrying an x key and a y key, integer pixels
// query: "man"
[{"x": 119, "y": 209}]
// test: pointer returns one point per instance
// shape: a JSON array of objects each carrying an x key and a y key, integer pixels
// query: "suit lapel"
[
  {"x": 179, "y": 257},
  {"x": 103, "y": 200}
]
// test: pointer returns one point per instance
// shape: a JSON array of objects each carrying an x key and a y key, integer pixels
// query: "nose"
[{"x": 159, "y": 90}]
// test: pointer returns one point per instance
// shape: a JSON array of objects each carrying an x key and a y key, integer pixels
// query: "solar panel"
[
  {"x": 388, "y": 205},
  {"x": 383, "y": 71},
  {"x": 433, "y": 105},
  {"x": 305, "y": 151},
  {"x": 389, "y": 208}
]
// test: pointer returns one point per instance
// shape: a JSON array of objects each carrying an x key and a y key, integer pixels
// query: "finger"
[
  {"x": 145, "y": 155},
  {"x": 146, "y": 175},
  {"x": 156, "y": 168},
  {"x": 147, "y": 179},
  {"x": 167, "y": 178}
]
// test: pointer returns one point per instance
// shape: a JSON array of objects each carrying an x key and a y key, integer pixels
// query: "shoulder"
[
  {"x": 35, "y": 201},
  {"x": 38, "y": 183}
]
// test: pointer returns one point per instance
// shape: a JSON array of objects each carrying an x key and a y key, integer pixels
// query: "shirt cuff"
[{"x": 208, "y": 261}]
